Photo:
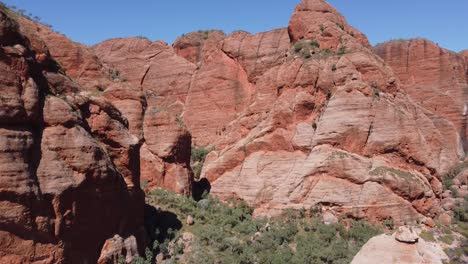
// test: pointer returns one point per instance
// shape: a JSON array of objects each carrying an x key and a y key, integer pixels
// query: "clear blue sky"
[{"x": 92, "y": 21}]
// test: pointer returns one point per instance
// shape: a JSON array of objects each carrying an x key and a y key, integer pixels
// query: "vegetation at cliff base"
[
  {"x": 197, "y": 158},
  {"x": 228, "y": 233}
]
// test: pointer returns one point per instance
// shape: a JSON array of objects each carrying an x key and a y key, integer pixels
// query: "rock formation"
[
  {"x": 435, "y": 78},
  {"x": 299, "y": 116},
  {"x": 388, "y": 249},
  {"x": 164, "y": 159},
  {"x": 67, "y": 179}
]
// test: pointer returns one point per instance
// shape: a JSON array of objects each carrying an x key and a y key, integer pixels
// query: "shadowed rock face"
[
  {"x": 301, "y": 116},
  {"x": 68, "y": 179},
  {"x": 145, "y": 117}
]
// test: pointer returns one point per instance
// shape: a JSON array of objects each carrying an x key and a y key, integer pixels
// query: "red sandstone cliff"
[
  {"x": 164, "y": 157},
  {"x": 299, "y": 116},
  {"x": 434, "y": 77},
  {"x": 67, "y": 175}
]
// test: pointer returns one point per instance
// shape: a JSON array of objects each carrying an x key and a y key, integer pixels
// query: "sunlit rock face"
[
  {"x": 302, "y": 116},
  {"x": 298, "y": 117},
  {"x": 434, "y": 77}
]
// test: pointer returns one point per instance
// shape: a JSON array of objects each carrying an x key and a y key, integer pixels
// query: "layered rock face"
[
  {"x": 434, "y": 77},
  {"x": 165, "y": 151},
  {"x": 67, "y": 179},
  {"x": 301, "y": 116}
]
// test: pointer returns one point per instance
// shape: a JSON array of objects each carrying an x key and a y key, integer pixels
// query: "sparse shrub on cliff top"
[
  {"x": 205, "y": 34},
  {"x": 340, "y": 26},
  {"x": 142, "y": 37}
]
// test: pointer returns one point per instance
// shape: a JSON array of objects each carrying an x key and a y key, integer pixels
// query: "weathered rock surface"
[
  {"x": 434, "y": 77},
  {"x": 123, "y": 94},
  {"x": 116, "y": 247},
  {"x": 165, "y": 155},
  {"x": 406, "y": 234},
  {"x": 334, "y": 130},
  {"x": 76, "y": 59},
  {"x": 386, "y": 249},
  {"x": 318, "y": 20},
  {"x": 67, "y": 181},
  {"x": 300, "y": 116}
]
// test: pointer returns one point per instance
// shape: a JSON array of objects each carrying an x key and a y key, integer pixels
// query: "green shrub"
[
  {"x": 298, "y": 47},
  {"x": 114, "y": 74},
  {"x": 333, "y": 68},
  {"x": 460, "y": 212},
  {"x": 341, "y": 50},
  {"x": 388, "y": 223},
  {"x": 143, "y": 184},
  {"x": 447, "y": 239},
  {"x": 322, "y": 28},
  {"x": 456, "y": 170},
  {"x": 198, "y": 154},
  {"x": 447, "y": 182},
  {"x": 326, "y": 52},
  {"x": 427, "y": 236},
  {"x": 314, "y": 43},
  {"x": 340, "y": 26},
  {"x": 180, "y": 122},
  {"x": 228, "y": 233}
]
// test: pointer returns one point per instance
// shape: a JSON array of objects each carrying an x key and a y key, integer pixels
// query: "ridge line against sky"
[{"x": 91, "y": 22}]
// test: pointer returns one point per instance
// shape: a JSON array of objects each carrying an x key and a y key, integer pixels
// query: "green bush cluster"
[
  {"x": 198, "y": 155},
  {"x": 306, "y": 48},
  {"x": 459, "y": 221},
  {"x": 205, "y": 34},
  {"x": 447, "y": 179},
  {"x": 341, "y": 51},
  {"x": 228, "y": 233},
  {"x": 340, "y": 26}
]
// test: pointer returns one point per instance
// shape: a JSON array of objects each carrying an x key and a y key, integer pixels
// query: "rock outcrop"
[
  {"x": 297, "y": 117},
  {"x": 387, "y": 249},
  {"x": 301, "y": 116},
  {"x": 67, "y": 179},
  {"x": 332, "y": 126},
  {"x": 168, "y": 168}
]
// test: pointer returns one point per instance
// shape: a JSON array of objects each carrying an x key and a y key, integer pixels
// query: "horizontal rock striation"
[
  {"x": 303, "y": 116},
  {"x": 68, "y": 179}
]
